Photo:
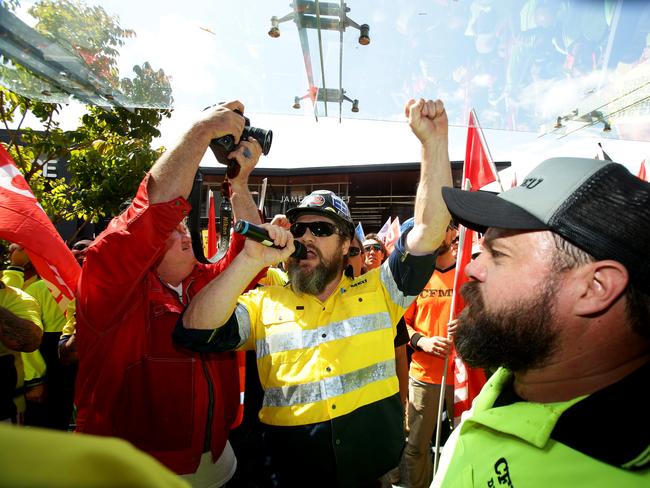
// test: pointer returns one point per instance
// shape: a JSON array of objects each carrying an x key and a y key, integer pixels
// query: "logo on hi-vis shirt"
[
  {"x": 433, "y": 293},
  {"x": 502, "y": 474}
]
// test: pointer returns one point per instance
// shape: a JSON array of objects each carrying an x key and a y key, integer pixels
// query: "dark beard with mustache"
[
  {"x": 519, "y": 337},
  {"x": 314, "y": 281}
]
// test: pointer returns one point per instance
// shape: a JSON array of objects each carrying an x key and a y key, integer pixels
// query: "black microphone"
[{"x": 258, "y": 234}]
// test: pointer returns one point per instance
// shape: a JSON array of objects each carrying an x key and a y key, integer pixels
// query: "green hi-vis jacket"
[{"x": 517, "y": 445}]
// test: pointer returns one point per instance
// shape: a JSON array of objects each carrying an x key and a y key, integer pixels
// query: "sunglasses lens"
[
  {"x": 369, "y": 247},
  {"x": 298, "y": 229},
  {"x": 354, "y": 251},
  {"x": 319, "y": 229}
]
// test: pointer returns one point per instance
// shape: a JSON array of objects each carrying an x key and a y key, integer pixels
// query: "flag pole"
[
  {"x": 260, "y": 207},
  {"x": 487, "y": 149},
  {"x": 443, "y": 385}
]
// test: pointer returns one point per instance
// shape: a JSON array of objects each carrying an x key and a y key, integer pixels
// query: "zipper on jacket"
[{"x": 208, "y": 423}]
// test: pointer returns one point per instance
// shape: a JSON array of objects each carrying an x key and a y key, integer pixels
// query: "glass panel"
[{"x": 547, "y": 66}]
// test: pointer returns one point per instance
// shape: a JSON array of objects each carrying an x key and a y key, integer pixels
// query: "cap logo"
[
  {"x": 531, "y": 183},
  {"x": 316, "y": 200},
  {"x": 340, "y": 205}
]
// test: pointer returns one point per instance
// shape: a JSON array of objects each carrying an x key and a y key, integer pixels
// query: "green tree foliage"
[
  {"x": 110, "y": 151},
  {"x": 89, "y": 31}
]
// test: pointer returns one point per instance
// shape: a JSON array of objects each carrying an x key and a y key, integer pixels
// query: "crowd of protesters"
[{"x": 557, "y": 307}]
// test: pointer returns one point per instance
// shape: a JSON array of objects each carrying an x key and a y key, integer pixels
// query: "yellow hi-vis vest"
[{"x": 321, "y": 360}]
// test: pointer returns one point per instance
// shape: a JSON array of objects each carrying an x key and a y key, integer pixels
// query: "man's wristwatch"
[{"x": 414, "y": 341}]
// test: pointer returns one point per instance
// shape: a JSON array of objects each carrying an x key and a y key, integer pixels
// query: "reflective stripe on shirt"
[
  {"x": 396, "y": 295},
  {"x": 330, "y": 387},
  {"x": 333, "y": 331}
]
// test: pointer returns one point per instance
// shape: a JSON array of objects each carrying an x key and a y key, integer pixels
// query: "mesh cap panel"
[{"x": 609, "y": 217}]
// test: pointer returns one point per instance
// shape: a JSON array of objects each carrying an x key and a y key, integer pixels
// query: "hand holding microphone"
[{"x": 258, "y": 234}]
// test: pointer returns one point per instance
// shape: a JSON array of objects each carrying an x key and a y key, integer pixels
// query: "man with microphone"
[{"x": 324, "y": 343}]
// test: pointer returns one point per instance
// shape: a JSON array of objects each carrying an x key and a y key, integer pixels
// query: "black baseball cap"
[
  {"x": 598, "y": 206},
  {"x": 324, "y": 202}
]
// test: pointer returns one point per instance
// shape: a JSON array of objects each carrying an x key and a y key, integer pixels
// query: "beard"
[
  {"x": 314, "y": 281},
  {"x": 519, "y": 337},
  {"x": 444, "y": 248}
]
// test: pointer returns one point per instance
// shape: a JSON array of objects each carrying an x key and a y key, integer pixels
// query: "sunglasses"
[
  {"x": 318, "y": 229},
  {"x": 354, "y": 251},
  {"x": 368, "y": 247}
]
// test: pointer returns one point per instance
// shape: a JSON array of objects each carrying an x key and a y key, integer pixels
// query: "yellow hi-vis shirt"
[
  {"x": 321, "y": 360},
  {"x": 52, "y": 319},
  {"x": 26, "y": 307},
  {"x": 517, "y": 444}
]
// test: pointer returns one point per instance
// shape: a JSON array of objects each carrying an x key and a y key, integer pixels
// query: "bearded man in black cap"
[
  {"x": 568, "y": 405},
  {"x": 331, "y": 411}
]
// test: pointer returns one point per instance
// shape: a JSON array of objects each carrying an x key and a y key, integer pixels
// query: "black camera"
[{"x": 224, "y": 145}]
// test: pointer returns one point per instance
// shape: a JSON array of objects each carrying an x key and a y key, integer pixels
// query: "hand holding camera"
[{"x": 223, "y": 146}]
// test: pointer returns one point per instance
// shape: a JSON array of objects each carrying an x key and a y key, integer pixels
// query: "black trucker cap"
[{"x": 598, "y": 206}]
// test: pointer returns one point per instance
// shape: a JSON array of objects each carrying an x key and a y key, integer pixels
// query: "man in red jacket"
[{"x": 138, "y": 277}]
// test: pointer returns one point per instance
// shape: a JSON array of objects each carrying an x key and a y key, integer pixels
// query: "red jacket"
[{"x": 133, "y": 382}]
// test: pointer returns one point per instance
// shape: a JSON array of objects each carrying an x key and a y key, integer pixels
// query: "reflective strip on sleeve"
[
  {"x": 243, "y": 322},
  {"x": 394, "y": 292},
  {"x": 641, "y": 461},
  {"x": 328, "y": 387},
  {"x": 331, "y": 332}
]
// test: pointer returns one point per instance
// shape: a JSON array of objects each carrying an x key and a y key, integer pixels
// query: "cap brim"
[{"x": 479, "y": 210}]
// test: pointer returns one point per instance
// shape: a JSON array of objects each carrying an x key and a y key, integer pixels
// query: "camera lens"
[{"x": 264, "y": 137}]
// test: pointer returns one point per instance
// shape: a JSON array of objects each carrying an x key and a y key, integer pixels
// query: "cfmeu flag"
[
  {"x": 467, "y": 381},
  {"x": 478, "y": 171},
  {"x": 23, "y": 221},
  {"x": 642, "y": 173},
  {"x": 478, "y": 167}
]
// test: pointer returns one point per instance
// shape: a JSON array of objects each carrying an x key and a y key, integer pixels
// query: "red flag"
[
  {"x": 477, "y": 172},
  {"x": 23, "y": 221},
  {"x": 642, "y": 173},
  {"x": 477, "y": 168},
  {"x": 392, "y": 235},
  {"x": 514, "y": 181},
  {"x": 212, "y": 227},
  {"x": 467, "y": 381}
]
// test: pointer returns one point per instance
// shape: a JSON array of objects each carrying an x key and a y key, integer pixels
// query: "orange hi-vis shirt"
[{"x": 429, "y": 315}]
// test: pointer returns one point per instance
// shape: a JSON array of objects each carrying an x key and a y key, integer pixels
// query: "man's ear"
[
  {"x": 346, "y": 246},
  {"x": 603, "y": 282}
]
